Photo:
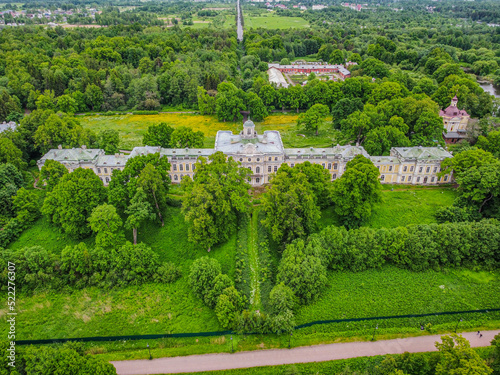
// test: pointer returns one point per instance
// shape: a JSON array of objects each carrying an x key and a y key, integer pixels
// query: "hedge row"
[
  {"x": 416, "y": 247},
  {"x": 80, "y": 267}
]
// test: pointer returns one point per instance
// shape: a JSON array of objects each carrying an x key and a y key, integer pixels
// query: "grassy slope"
[
  {"x": 401, "y": 208},
  {"x": 132, "y": 310},
  {"x": 392, "y": 291}
]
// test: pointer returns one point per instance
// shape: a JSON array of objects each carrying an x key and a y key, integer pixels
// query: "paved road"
[
  {"x": 317, "y": 353},
  {"x": 239, "y": 27}
]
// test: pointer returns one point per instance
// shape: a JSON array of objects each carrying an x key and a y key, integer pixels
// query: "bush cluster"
[
  {"x": 416, "y": 247},
  {"x": 81, "y": 266},
  {"x": 217, "y": 290},
  {"x": 304, "y": 264}
]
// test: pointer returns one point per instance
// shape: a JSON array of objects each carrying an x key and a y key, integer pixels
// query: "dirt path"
[{"x": 317, "y": 353}]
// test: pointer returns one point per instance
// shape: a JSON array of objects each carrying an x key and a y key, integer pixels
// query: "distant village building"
[
  {"x": 7, "y": 126},
  {"x": 316, "y": 68},
  {"x": 455, "y": 122},
  {"x": 276, "y": 77},
  {"x": 319, "y": 7},
  {"x": 263, "y": 154}
]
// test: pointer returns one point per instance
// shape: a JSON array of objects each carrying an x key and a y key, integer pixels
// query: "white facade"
[{"x": 263, "y": 154}]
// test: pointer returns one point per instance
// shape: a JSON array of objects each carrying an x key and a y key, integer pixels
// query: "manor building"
[
  {"x": 263, "y": 154},
  {"x": 455, "y": 122}
]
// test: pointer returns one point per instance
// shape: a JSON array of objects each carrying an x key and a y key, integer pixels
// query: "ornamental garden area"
[{"x": 167, "y": 190}]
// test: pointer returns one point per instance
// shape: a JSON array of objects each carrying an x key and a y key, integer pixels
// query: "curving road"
[
  {"x": 273, "y": 357},
  {"x": 239, "y": 27}
]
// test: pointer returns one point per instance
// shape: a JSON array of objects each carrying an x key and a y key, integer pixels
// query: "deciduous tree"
[{"x": 72, "y": 200}]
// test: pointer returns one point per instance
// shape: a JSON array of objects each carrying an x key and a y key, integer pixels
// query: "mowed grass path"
[{"x": 133, "y": 127}]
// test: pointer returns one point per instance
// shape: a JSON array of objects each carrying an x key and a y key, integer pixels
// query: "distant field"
[
  {"x": 402, "y": 208},
  {"x": 133, "y": 127},
  {"x": 272, "y": 21}
]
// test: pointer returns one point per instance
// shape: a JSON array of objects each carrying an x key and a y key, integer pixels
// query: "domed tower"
[{"x": 248, "y": 131}]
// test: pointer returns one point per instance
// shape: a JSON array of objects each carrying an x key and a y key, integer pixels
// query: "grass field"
[
  {"x": 133, "y": 127},
  {"x": 401, "y": 208},
  {"x": 272, "y": 21}
]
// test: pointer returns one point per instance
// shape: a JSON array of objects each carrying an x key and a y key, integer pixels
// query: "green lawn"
[{"x": 402, "y": 207}]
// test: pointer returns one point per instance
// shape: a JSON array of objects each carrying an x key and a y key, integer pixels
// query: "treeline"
[{"x": 80, "y": 266}]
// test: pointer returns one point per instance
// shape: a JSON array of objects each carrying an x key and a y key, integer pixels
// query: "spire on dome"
[{"x": 454, "y": 101}]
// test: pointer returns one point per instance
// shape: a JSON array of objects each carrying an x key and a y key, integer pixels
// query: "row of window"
[
  {"x": 408, "y": 179},
  {"x": 420, "y": 169},
  {"x": 270, "y": 158},
  {"x": 106, "y": 170},
  {"x": 181, "y": 167}
]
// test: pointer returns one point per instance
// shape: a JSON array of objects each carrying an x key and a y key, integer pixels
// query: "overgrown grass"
[
  {"x": 133, "y": 127},
  {"x": 393, "y": 291},
  {"x": 45, "y": 234},
  {"x": 142, "y": 309},
  {"x": 402, "y": 207}
]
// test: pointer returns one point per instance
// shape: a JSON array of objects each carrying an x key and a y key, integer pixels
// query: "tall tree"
[
  {"x": 290, "y": 207},
  {"x": 9, "y": 153},
  {"x": 184, "y": 137},
  {"x": 356, "y": 191},
  {"x": 51, "y": 173},
  {"x": 109, "y": 140},
  {"x": 158, "y": 135},
  {"x": 458, "y": 358},
  {"x": 72, "y": 200},
  {"x": 138, "y": 211},
  {"x": 217, "y": 194},
  {"x": 313, "y": 118},
  {"x": 151, "y": 180},
  {"x": 107, "y": 225}
]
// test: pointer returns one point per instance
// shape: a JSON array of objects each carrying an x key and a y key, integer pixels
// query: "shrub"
[
  {"x": 221, "y": 282},
  {"x": 281, "y": 299},
  {"x": 302, "y": 271},
  {"x": 202, "y": 275},
  {"x": 228, "y": 307},
  {"x": 454, "y": 214}
]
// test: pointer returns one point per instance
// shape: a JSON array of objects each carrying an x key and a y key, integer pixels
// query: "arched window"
[
  {"x": 176, "y": 178},
  {"x": 382, "y": 178},
  {"x": 258, "y": 159},
  {"x": 249, "y": 159},
  {"x": 334, "y": 176},
  {"x": 257, "y": 170},
  {"x": 257, "y": 180}
]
